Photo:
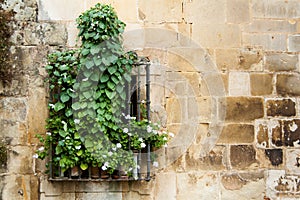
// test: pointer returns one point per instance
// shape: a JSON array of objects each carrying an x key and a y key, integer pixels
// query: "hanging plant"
[{"x": 87, "y": 125}]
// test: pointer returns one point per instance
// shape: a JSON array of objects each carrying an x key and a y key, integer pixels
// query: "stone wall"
[{"x": 225, "y": 80}]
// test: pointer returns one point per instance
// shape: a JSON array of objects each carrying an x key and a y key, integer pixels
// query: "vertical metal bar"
[
  {"x": 148, "y": 90},
  {"x": 138, "y": 117},
  {"x": 50, "y": 162},
  {"x": 148, "y": 118},
  {"x": 148, "y": 163},
  {"x": 139, "y": 165}
]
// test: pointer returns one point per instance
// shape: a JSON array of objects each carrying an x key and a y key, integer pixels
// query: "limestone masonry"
[{"x": 225, "y": 79}]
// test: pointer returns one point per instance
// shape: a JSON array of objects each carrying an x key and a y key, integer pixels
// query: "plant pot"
[
  {"x": 95, "y": 172},
  {"x": 75, "y": 171},
  {"x": 104, "y": 174}
]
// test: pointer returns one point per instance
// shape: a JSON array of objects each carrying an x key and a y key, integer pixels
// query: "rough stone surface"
[
  {"x": 269, "y": 42},
  {"x": 284, "y": 107},
  {"x": 237, "y": 133},
  {"x": 281, "y": 62},
  {"x": 237, "y": 11},
  {"x": 242, "y": 109},
  {"x": 286, "y": 84},
  {"x": 275, "y": 156},
  {"x": 261, "y": 84},
  {"x": 242, "y": 156},
  {"x": 239, "y": 84},
  {"x": 294, "y": 43}
]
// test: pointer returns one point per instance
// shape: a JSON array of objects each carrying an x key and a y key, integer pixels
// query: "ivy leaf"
[
  {"x": 104, "y": 78},
  {"x": 112, "y": 69},
  {"x": 62, "y": 133},
  {"x": 76, "y": 105},
  {"x": 95, "y": 77},
  {"x": 89, "y": 64},
  {"x": 88, "y": 94},
  {"x": 88, "y": 143},
  {"x": 58, "y": 106},
  {"x": 110, "y": 94},
  {"x": 119, "y": 88},
  {"x": 85, "y": 52},
  {"x": 97, "y": 60},
  {"x": 64, "y": 97},
  {"x": 102, "y": 105},
  {"x": 114, "y": 79},
  {"x": 68, "y": 113},
  {"x": 95, "y": 49},
  {"x": 84, "y": 166},
  {"x": 110, "y": 85},
  {"x": 58, "y": 149},
  {"x": 127, "y": 77},
  {"x": 76, "y": 135},
  {"x": 79, "y": 153},
  {"x": 87, "y": 73}
]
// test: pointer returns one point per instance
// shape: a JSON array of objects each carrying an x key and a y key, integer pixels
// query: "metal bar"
[
  {"x": 139, "y": 165},
  {"x": 148, "y": 90},
  {"x": 50, "y": 162},
  {"x": 148, "y": 162},
  {"x": 138, "y": 117}
]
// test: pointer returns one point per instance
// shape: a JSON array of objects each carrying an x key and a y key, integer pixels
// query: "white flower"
[
  {"x": 125, "y": 130},
  {"x": 143, "y": 145},
  {"x": 143, "y": 101},
  {"x": 141, "y": 139},
  {"x": 114, "y": 148},
  {"x": 52, "y": 105},
  {"x": 41, "y": 148},
  {"x": 138, "y": 167},
  {"x": 85, "y": 79},
  {"x": 78, "y": 147},
  {"x": 165, "y": 145},
  {"x": 154, "y": 132},
  {"x": 133, "y": 118},
  {"x": 130, "y": 134},
  {"x": 67, "y": 138},
  {"x": 171, "y": 134},
  {"x": 35, "y": 156},
  {"x": 63, "y": 122},
  {"x": 106, "y": 164},
  {"x": 48, "y": 133},
  {"x": 76, "y": 121},
  {"x": 104, "y": 156},
  {"x": 104, "y": 167},
  {"x": 155, "y": 164},
  {"x": 130, "y": 169},
  {"x": 72, "y": 90},
  {"x": 165, "y": 138},
  {"x": 119, "y": 145},
  {"x": 149, "y": 129},
  {"x": 127, "y": 117},
  {"x": 110, "y": 153}
]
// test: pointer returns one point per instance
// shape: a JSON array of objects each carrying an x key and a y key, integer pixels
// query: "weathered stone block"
[
  {"x": 160, "y": 11},
  {"x": 244, "y": 59},
  {"x": 212, "y": 36},
  {"x": 270, "y": 42},
  {"x": 281, "y": 107},
  {"x": 197, "y": 185},
  {"x": 165, "y": 182},
  {"x": 56, "y": 10},
  {"x": 291, "y": 132},
  {"x": 268, "y": 26},
  {"x": 23, "y": 10},
  {"x": 13, "y": 109},
  {"x": 281, "y": 62},
  {"x": 294, "y": 43},
  {"x": 242, "y": 156},
  {"x": 276, "y": 9},
  {"x": 237, "y": 133},
  {"x": 242, "y": 109},
  {"x": 20, "y": 187},
  {"x": 275, "y": 156},
  {"x": 293, "y": 161},
  {"x": 238, "y": 11},
  {"x": 20, "y": 160},
  {"x": 261, "y": 84},
  {"x": 239, "y": 84},
  {"x": 262, "y": 134},
  {"x": 205, "y": 12},
  {"x": 236, "y": 187},
  {"x": 214, "y": 160},
  {"x": 176, "y": 109},
  {"x": 287, "y": 84}
]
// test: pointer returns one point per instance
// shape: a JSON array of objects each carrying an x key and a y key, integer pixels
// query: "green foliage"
[{"x": 87, "y": 99}]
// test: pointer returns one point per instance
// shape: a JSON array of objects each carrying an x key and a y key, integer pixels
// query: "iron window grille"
[{"x": 135, "y": 90}]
